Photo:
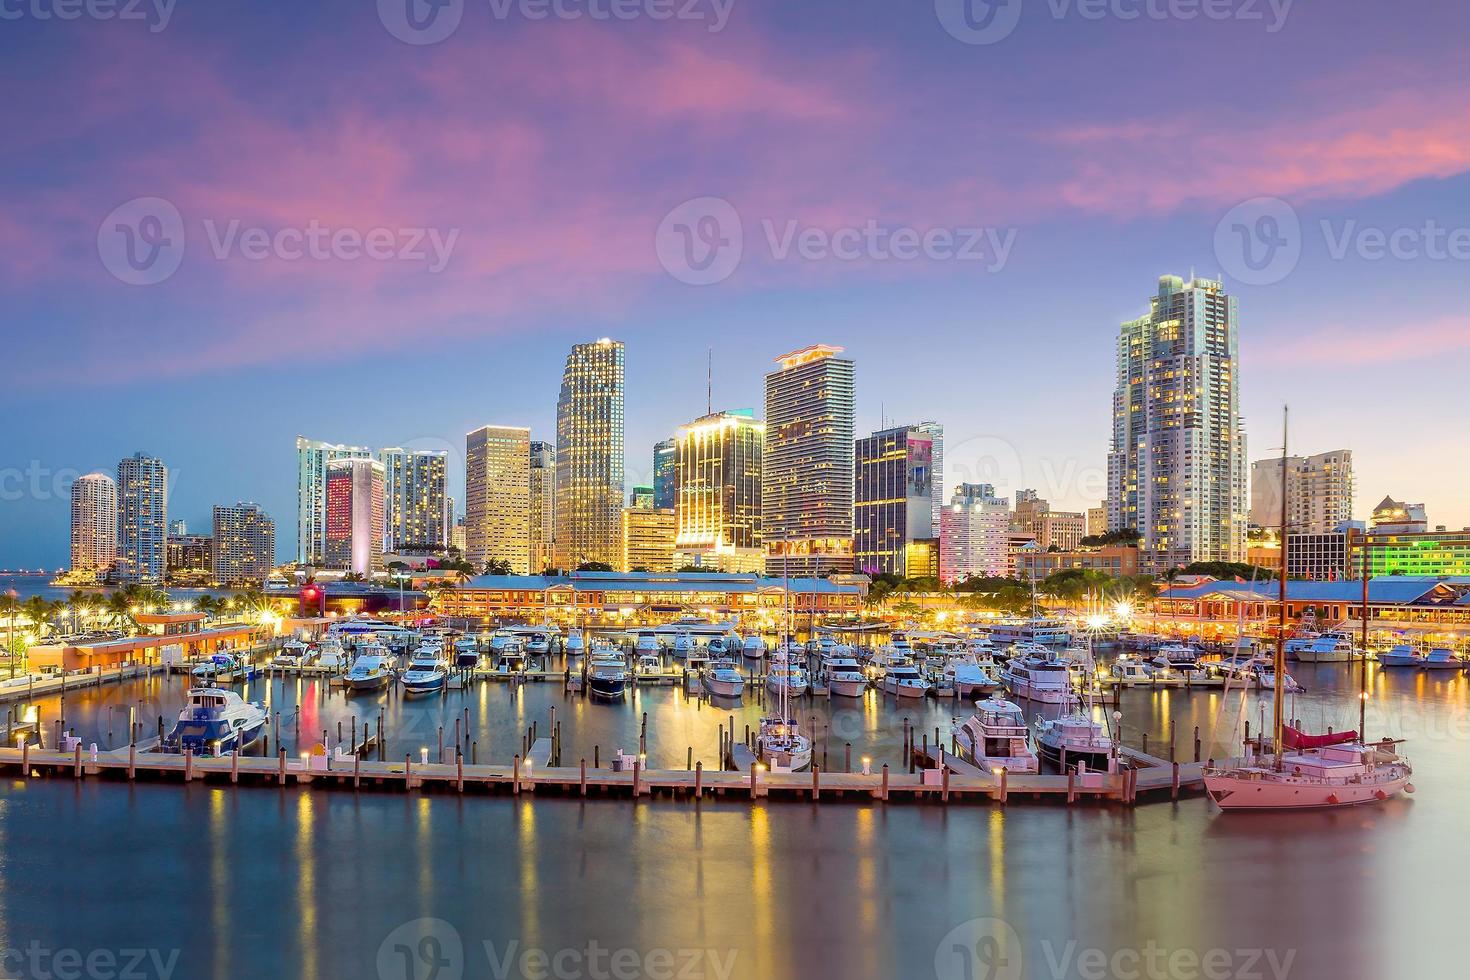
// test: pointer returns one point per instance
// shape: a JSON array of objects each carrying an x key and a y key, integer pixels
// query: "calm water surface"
[{"x": 270, "y": 882}]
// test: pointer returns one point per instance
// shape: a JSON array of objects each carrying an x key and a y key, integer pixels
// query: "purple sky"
[{"x": 1082, "y": 151}]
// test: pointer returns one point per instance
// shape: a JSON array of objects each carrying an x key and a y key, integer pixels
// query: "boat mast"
[
  {"x": 1280, "y": 660},
  {"x": 1363, "y": 653}
]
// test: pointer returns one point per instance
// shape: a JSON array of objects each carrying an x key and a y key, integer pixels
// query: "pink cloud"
[{"x": 1367, "y": 345}]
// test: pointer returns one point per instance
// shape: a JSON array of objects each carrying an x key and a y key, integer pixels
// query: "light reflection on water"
[{"x": 266, "y": 881}]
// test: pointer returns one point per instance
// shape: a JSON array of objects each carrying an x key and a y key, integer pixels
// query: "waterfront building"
[
  {"x": 542, "y": 505},
  {"x": 1112, "y": 560},
  {"x": 973, "y": 534},
  {"x": 893, "y": 497},
  {"x": 93, "y": 526},
  {"x": 142, "y": 520},
  {"x": 1176, "y": 469},
  {"x": 355, "y": 515},
  {"x": 1049, "y": 528},
  {"x": 624, "y": 599},
  {"x": 498, "y": 497},
  {"x": 1097, "y": 520},
  {"x": 312, "y": 458},
  {"x": 589, "y": 456},
  {"x": 1319, "y": 492},
  {"x": 1440, "y": 552},
  {"x": 807, "y": 467},
  {"x": 244, "y": 545},
  {"x": 648, "y": 539},
  {"x": 190, "y": 558},
  {"x": 1396, "y": 517},
  {"x": 935, "y": 430},
  {"x": 666, "y": 474},
  {"x": 718, "y": 488},
  {"x": 641, "y": 497},
  {"x": 415, "y": 491}
]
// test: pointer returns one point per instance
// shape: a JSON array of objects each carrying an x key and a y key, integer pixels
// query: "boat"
[
  {"x": 1182, "y": 662},
  {"x": 369, "y": 672},
  {"x": 648, "y": 663},
  {"x": 996, "y": 737},
  {"x": 427, "y": 672},
  {"x": 1076, "y": 739},
  {"x": 1327, "y": 650},
  {"x": 538, "y": 643},
  {"x": 779, "y": 741},
  {"x": 329, "y": 654},
  {"x": 221, "y": 668},
  {"x": 1132, "y": 672},
  {"x": 902, "y": 679},
  {"x": 683, "y": 643},
  {"x": 782, "y": 745},
  {"x": 1442, "y": 658},
  {"x": 787, "y": 679},
  {"x": 723, "y": 645},
  {"x": 722, "y": 678},
  {"x": 294, "y": 653},
  {"x": 976, "y": 675},
  {"x": 575, "y": 644},
  {"x": 843, "y": 676},
  {"x": 607, "y": 673},
  {"x": 1402, "y": 655},
  {"x": 1046, "y": 632},
  {"x": 216, "y": 722},
  {"x": 466, "y": 653},
  {"x": 754, "y": 648},
  {"x": 1037, "y": 679}
]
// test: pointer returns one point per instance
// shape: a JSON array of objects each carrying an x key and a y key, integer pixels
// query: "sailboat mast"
[
  {"x": 1278, "y": 716},
  {"x": 1363, "y": 653}
]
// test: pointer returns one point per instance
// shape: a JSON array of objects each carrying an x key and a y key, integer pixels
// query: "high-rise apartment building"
[
  {"x": 142, "y": 519},
  {"x": 542, "y": 506},
  {"x": 1059, "y": 529},
  {"x": 719, "y": 491},
  {"x": 589, "y": 456},
  {"x": 647, "y": 539},
  {"x": 1177, "y": 467},
  {"x": 666, "y": 474},
  {"x": 93, "y": 525},
  {"x": 1319, "y": 495},
  {"x": 497, "y": 502},
  {"x": 416, "y": 495},
  {"x": 974, "y": 534},
  {"x": 244, "y": 546},
  {"x": 355, "y": 515},
  {"x": 893, "y": 497},
  {"x": 807, "y": 467},
  {"x": 312, "y": 458},
  {"x": 936, "y": 432}
]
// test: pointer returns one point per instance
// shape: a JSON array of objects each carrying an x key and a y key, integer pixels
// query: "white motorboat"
[
  {"x": 1076, "y": 738},
  {"x": 902, "y": 679},
  {"x": 427, "y": 672},
  {"x": 722, "y": 679},
  {"x": 683, "y": 643},
  {"x": 996, "y": 737},
  {"x": 976, "y": 675},
  {"x": 216, "y": 722},
  {"x": 1046, "y": 680},
  {"x": 466, "y": 653},
  {"x": 1130, "y": 672},
  {"x": 1178, "y": 660},
  {"x": 369, "y": 672},
  {"x": 329, "y": 654},
  {"x": 293, "y": 653},
  {"x": 1442, "y": 658},
  {"x": 648, "y": 663},
  {"x": 790, "y": 679},
  {"x": 723, "y": 645},
  {"x": 221, "y": 668},
  {"x": 646, "y": 641},
  {"x": 1327, "y": 650},
  {"x": 843, "y": 676},
  {"x": 575, "y": 644},
  {"x": 1402, "y": 655},
  {"x": 754, "y": 648},
  {"x": 607, "y": 672}
]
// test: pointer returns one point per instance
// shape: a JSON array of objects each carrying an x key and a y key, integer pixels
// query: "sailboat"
[
  {"x": 1300, "y": 771},
  {"x": 780, "y": 742}
]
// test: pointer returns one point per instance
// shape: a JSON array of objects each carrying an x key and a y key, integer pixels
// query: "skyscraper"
[
  {"x": 974, "y": 534},
  {"x": 311, "y": 494},
  {"x": 244, "y": 547},
  {"x": 497, "y": 502},
  {"x": 719, "y": 491},
  {"x": 1177, "y": 471},
  {"x": 936, "y": 431},
  {"x": 93, "y": 525},
  {"x": 416, "y": 496},
  {"x": 589, "y": 456},
  {"x": 1319, "y": 492},
  {"x": 142, "y": 519},
  {"x": 893, "y": 497},
  {"x": 666, "y": 474},
  {"x": 640, "y": 497},
  {"x": 355, "y": 515},
  {"x": 543, "y": 505},
  {"x": 806, "y": 483},
  {"x": 647, "y": 539}
]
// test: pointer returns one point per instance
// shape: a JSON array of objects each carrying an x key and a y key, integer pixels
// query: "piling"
[
  {"x": 883, "y": 792},
  {"x": 1004, "y": 787},
  {"x": 698, "y": 779},
  {"x": 582, "y": 779},
  {"x": 816, "y": 782}
]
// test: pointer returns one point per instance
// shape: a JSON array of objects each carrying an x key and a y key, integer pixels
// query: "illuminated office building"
[
  {"x": 497, "y": 502},
  {"x": 719, "y": 491},
  {"x": 589, "y": 456}
]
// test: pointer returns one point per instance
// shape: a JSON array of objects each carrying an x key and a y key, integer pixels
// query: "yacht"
[
  {"x": 216, "y": 722},
  {"x": 902, "y": 678},
  {"x": 977, "y": 674},
  {"x": 427, "y": 672},
  {"x": 1442, "y": 658},
  {"x": 843, "y": 676},
  {"x": 575, "y": 644},
  {"x": 722, "y": 678},
  {"x": 369, "y": 671},
  {"x": 1402, "y": 655},
  {"x": 1075, "y": 738},
  {"x": 1045, "y": 632},
  {"x": 1131, "y": 672},
  {"x": 538, "y": 643},
  {"x": 723, "y": 645},
  {"x": 1036, "y": 679},
  {"x": 1178, "y": 660},
  {"x": 683, "y": 643},
  {"x": 754, "y": 648},
  {"x": 466, "y": 653},
  {"x": 782, "y": 745},
  {"x": 221, "y": 668},
  {"x": 1321, "y": 771},
  {"x": 607, "y": 673},
  {"x": 787, "y": 679},
  {"x": 646, "y": 642},
  {"x": 509, "y": 651},
  {"x": 329, "y": 654},
  {"x": 648, "y": 663},
  {"x": 996, "y": 737},
  {"x": 293, "y": 653},
  {"x": 1327, "y": 650}
]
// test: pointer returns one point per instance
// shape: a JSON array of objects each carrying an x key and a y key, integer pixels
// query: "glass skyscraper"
[
  {"x": 893, "y": 500},
  {"x": 589, "y": 456},
  {"x": 666, "y": 474}
]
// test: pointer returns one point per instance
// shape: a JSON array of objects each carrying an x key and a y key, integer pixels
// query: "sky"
[{"x": 224, "y": 224}]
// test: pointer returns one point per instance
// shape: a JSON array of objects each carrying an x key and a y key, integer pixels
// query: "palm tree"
[
  {"x": 119, "y": 606},
  {"x": 10, "y": 609},
  {"x": 40, "y": 612}
]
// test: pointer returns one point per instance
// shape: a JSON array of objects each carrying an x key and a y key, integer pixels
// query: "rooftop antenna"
[{"x": 709, "y": 381}]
